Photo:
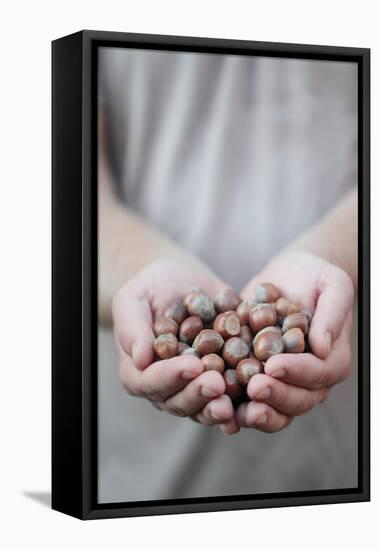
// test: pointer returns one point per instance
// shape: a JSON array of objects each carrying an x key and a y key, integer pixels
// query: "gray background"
[{"x": 233, "y": 158}]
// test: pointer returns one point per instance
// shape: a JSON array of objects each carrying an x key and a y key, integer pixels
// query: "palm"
[
  {"x": 298, "y": 278},
  {"x": 162, "y": 282},
  {"x": 177, "y": 385},
  {"x": 298, "y": 382}
]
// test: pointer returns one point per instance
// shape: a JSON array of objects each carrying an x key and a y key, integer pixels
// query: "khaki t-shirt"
[{"x": 233, "y": 157}]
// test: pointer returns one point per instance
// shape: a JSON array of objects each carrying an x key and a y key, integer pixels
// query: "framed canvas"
[{"x": 211, "y": 277}]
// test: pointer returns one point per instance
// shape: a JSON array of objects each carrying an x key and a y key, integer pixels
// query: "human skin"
[
  {"x": 318, "y": 270},
  {"x": 292, "y": 384},
  {"x": 178, "y": 385},
  {"x": 141, "y": 277}
]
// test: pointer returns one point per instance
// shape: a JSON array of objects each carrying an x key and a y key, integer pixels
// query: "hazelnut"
[
  {"x": 190, "y": 328},
  {"x": 232, "y": 387},
  {"x": 284, "y": 307},
  {"x": 191, "y": 293},
  {"x": 165, "y": 325},
  {"x": 275, "y": 329},
  {"x": 246, "y": 369},
  {"x": 213, "y": 362},
  {"x": 243, "y": 311},
  {"x": 261, "y": 316},
  {"x": 181, "y": 347},
  {"x": 234, "y": 351},
  {"x": 267, "y": 292},
  {"x": 190, "y": 351},
  {"x": 166, "y": 346},
  {"x": 227, "y": 300},
  {"x": 308, "y": 312},
  {"x": 177, "y": 311},
  {"x": 246, "y": 335},
  {"x": 208, "y": 341},
  {"x": 294, "y": 340},
  {"x": 227, "y": 324},
  {"x": 295, "y": 320},
  {"x": 267, "y": 344},
  {"x": 202, "y": 306}
]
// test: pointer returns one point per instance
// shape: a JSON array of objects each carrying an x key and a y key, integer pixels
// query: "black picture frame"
[{"x": 74, "y": 272}]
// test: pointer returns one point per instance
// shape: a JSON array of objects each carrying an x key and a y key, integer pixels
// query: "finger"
[
  {"x": 230, "y": 427},
  {"x": 333, "y": 307},
  {"x": 161, "y": 379},
  {"x": 217, "y": 411},
  {"x": 165, "y": 378},
  {"x": 308, "y": 371},
  {"x": 158, "y": 405},
  {"x": 264, "y": 418},
  {"x": 285, "y": 398},
  {"x": 196, "y": 394},
  {"x": 133, "y": 326},
  {"x": 241, "y": 415}
]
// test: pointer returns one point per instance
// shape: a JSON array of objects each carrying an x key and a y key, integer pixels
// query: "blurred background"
[{"x": 233, "y": 157}]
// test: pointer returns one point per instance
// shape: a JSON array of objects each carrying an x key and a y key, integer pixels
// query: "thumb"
[
  {"x": 336, "y": 296},
  {"x": 133, "y": 325}
]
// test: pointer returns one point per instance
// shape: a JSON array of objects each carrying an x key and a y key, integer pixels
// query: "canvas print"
[{"x": 227, "y": 274}]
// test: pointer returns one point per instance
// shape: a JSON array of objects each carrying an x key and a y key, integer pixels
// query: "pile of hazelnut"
[{"x": 232, "y": 336}]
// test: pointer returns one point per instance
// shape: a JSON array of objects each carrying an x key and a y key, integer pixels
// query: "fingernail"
[
  {"x": 214, "y": 415},
  {"x": 208, "y": 392},
  {"x": 263, "y": 394},
  {"x": 279, "y": 373},
  {"x": 260, "y": 420},
  {"x": 189, "y": 375}
]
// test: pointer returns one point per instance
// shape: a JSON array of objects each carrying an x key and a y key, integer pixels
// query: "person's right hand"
[{"x": 178, "y": 385}]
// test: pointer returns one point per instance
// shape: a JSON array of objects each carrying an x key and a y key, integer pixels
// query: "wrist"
[{"x": 319, "y": 242}]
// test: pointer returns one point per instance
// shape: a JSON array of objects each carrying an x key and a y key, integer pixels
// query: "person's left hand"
[{"x": 294, "y": 383}]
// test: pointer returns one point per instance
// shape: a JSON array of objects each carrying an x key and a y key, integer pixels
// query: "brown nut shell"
[
  {"x": 232, "y": 387},
  {"x": 268, "y": 344},
  {"x": 201, "y": 306},
  {"x": 243, "y": 311},
  {"x": 208, "y": 341},
  {"x": 181, "y": 347},
  {"x": 234, "y": 351},
  {"x": 191, "y": 293},
  {"x": 227, "y": 324},
  {"x": 284, "y": 307},
  {"x": 308, "y": 312},
  {"x": 213, "y": 362},
  {"x": 166, "y": 346},
  {"x": 294, "y": 341},
  {"x": 246, "y": 335},
  {"x": 177, "y": 311},
  {"x": 276, "y": 330},
  {"x": 246, "y": 369},
  {"x": 261, "y": 316},
  {"x": 227, "y": 300},
  {"x": 190, "y": 328},
  {"x": 266, "y": 292},
  {"x": 165, "y": 325},
  {"x": 190, "y": 351},
  {"x": 295, "y": 320}
]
